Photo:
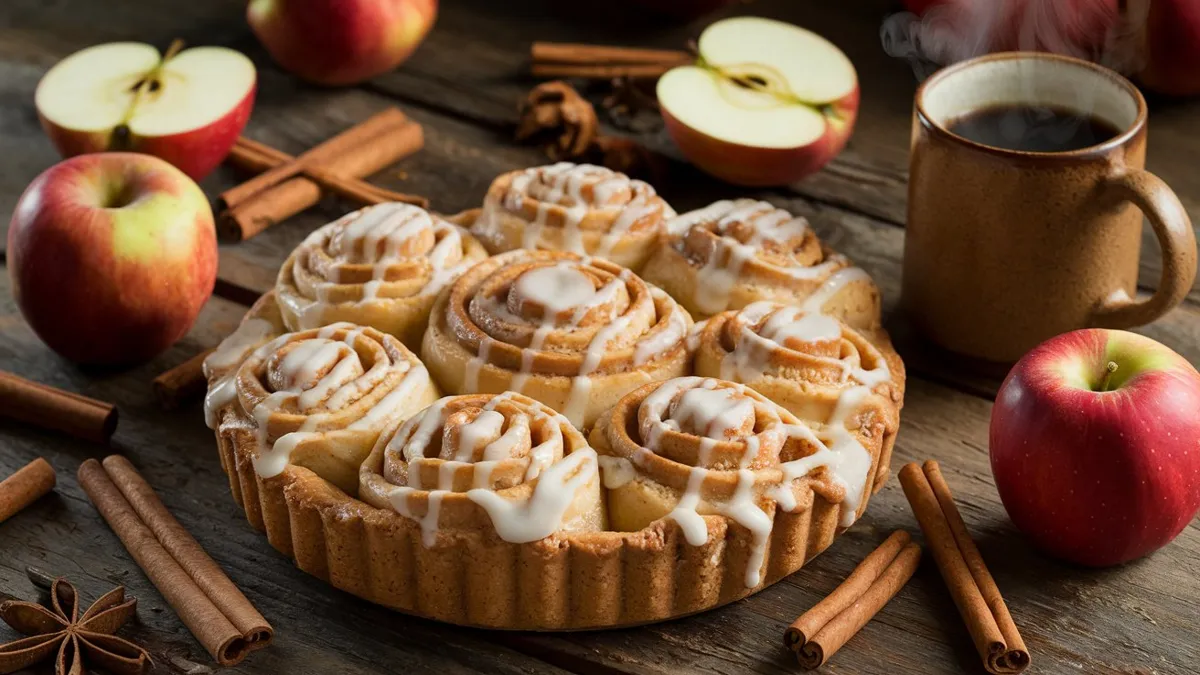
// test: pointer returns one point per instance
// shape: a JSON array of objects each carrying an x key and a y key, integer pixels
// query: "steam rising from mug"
[{"x": 948, "y": 31}]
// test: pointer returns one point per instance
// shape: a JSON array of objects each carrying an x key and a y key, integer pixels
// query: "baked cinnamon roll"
[
  {"x": 315, "y": 399},
  {"x": 381, "y": 266},
  {"x": 818, "y": 367},
  {"x": 502, "y": 463},
  {"x": 573, "y": 333},
  {"x": 732, "y": 253},
  {"x": 579, "y": 208},
  {"x": 700, "y": 451}
]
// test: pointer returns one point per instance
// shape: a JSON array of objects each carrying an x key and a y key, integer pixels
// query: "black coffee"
[{"x": 1029, "y": 128}]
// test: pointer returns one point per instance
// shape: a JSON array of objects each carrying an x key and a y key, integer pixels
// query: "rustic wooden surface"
[{"x": 463, "y": 85}]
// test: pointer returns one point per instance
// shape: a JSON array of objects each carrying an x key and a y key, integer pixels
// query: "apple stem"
[
  {"x": 149, "y": 83},
  {"x": 1108, "y": 373}
]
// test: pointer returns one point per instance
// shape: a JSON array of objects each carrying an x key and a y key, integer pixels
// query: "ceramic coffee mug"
[{"x": 1004, "y": 248}]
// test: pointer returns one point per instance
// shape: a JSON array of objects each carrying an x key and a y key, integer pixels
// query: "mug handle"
[{"x": 1174, "y": 230}]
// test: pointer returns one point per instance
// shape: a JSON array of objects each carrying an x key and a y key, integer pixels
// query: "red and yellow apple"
[
  {"x": 190, "y": 113},
  {"x": 767, "y": 103},
  {"x": 1095, "y": 445},
  {"x": 338, "y": 42},
  {"x": 112, "y": 256}
]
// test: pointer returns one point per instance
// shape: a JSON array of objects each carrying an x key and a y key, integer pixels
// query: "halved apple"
[
  {"x": 189, "y": 113},
  {"x": 766, "y": 104}
]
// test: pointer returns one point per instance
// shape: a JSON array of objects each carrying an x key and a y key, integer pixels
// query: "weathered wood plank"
[{"x": 318, "y": 629}]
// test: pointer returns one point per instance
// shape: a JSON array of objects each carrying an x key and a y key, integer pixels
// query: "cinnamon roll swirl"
[
  {"x": 381, "y": 266},
  {"x": 818, "y": 367},
  {"x": 732, "y": 253},
  {"x": 573, "y": 333},
  {"x": 502, "y": 463},
  {"x": 580, "y": 208},
  {"x": 696, "y": 450},
  {"x": 316, "y": 399}
]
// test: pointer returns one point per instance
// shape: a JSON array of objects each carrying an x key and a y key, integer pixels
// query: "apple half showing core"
[
  {"x": 766, "y": 104},
  {"x": 190, "y": 114}
]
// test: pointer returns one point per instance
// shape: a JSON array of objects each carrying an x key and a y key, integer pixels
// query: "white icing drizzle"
[
  {"x": 722, "y": 269},
  {"x": 487, "y": 424},
  {"x": 832, "y": 286},
  {"x": 656, "y": 343},
  {"x": 543, "y": 514},
  {"x": 709, "y": 406},
  {"x": 561, "y": 186},
  {"x": 559, "y": 478},
  {"x": 556, "y": 287},
  {"x": 750, "y": 358},
  {"x": 375, "y": 235},
  {"x": 471, "y": 376},
  {"x": 343, "y": 383},
  {"x": 234, "y": 348},
  {"x": 616, "y": 471}
]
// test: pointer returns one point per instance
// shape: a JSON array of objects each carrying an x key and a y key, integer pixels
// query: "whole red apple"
[
  {"x": 1095, "y": 445},
  {"x": 190, "y": 113},
  {"x": 1171, "y": 41},
  {"x": 112, "y": 256},
  {"x": 338, "y": 42}
]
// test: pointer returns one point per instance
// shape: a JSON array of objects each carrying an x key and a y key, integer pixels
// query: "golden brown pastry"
[
  {"x": 815, "y": 365},
  {"x": 500, "y": 463},
  {"x": 698, "y": 451},
  {"x": 316, "y": 399},
  {"x": 732, "y": 253},
  {"x": 572, "y": 333},
  {"x": 381, "y": 266},
  {"x": 579, "y": 208}
]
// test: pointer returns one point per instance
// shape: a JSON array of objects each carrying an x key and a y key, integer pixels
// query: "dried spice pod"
[
  {"x": 557, "y": 118},
  {"x": 77, "y": 640}
]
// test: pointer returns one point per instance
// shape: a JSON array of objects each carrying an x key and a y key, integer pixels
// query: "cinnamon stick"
[
  {"x": 822, "y": 630},
  {"x": 181, "y": 383},
  {"x": 253, "y": 208},
  {"x": 966, "y": 575},
  {"x": 55, "y": 409},
  {"x": 25, "y": 487},
  {"x": 355, "y": 136},
  {"x": 207, "y": 602},
  {"x": 583, "y": 54},
  {"x": 254, "y": 156}
]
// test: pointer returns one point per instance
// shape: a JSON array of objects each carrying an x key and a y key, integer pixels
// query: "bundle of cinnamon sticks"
[
  {"x": 207, "y": 602},
  {"x": 564, "y": 59},
  {"x": 287, "y": 185},
  {"x": 821, "y": 631}
]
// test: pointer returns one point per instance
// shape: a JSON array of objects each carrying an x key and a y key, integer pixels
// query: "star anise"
[
  {"x": 557, "y": 118},
  {"x": 78, "y": 639}
]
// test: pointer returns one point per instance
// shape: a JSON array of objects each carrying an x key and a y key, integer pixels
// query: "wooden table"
[{"x": 463, "y": 86}]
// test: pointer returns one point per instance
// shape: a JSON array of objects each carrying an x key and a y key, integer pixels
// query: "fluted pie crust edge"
[{"x": 568, "y": 581}]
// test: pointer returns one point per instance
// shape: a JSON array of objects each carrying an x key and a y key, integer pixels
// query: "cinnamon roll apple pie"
[{"x": 570, "y": 450}]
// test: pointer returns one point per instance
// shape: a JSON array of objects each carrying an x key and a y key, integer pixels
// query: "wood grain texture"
[{"x": 463, "y": 85}]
